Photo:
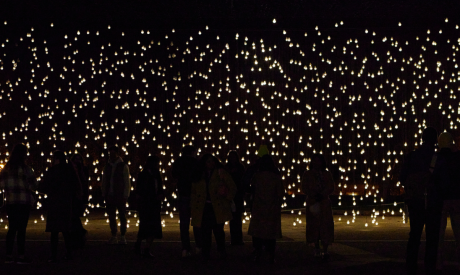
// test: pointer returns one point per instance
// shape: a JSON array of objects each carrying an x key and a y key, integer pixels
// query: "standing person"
[
  {"x": 447, "y": 175},
  {"x": 62, "y": 186},
  {"x": 78, "y": 233},
  {"x": 116, "y": 186},
  {"x": 236, "y": 170},
  {"x": 184, "y": 170},
  {"x": 18, "y": 182},
  {"x": 150, "y": 191},
  {"x": 318, "y": 184},
  {"x": 211, "y": 203},
  {"x": 415, "y": 177},
  {"x": 250, "y": 172},
  {"x": 265, "y": 225}
]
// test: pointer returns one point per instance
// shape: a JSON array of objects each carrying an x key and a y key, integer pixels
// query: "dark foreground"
[
  {"x": 293, "y": 258},
  {"x": 358, "y": 250}
]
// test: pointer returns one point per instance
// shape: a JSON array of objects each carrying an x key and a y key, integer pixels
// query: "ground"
[{"x": 376, "y": 249}]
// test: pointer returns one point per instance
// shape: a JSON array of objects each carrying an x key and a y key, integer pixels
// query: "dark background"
[{"x": 227, "y": 13}]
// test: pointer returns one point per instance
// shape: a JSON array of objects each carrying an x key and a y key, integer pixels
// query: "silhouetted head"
[
  {"x": 430, "y": 136},
  {"x": 253, "y": 159},
  {"x": 18, "y": 156},
  {"x": 318, "y": 162},
  {"x": 209, "y": 162},
  {"x": 188, "y": 150},
  {"x": 59, "y": 157},
  {"x": 266, "y": 163},
  {"x": 78, "y": 159},
  {"x": 153, "y": 163},
  {"x": 114, "y": 153},
  {"x": 445, "y": 141},
  {"x": 233, "y": 158}
]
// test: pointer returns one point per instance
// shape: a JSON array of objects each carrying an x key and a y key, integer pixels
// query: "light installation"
[{"x": 361, "y": 97}]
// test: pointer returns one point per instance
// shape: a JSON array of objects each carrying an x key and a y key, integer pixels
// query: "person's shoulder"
[
  {"x": 443, "y": 155},
  {"x": 328, "y": 173},
  {"x": 190, "y": 159},
  {"x": 425, "y": 150},
  {"x": 453, "y": 156},
  {"x": 414, "y": 152},
  {"x": 276, "y": 175},
  {"x": 222, "y": 172},
  {"x": 269, "y": 176},
  {"x": 64, "y": 167},
  {"x": 307, "y": 173},
  {"x": 411, "y": 155},
  {"x": 455, "y": 159},
  {"x": 54, "y": 171},
  {"x": 184, "y": 160},
  {"x": 265, "y": 173}
]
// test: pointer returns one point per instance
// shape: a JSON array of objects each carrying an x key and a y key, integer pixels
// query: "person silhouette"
[
  {"x": 18, "y": 181},
  {"x": 116, "y": 186}
]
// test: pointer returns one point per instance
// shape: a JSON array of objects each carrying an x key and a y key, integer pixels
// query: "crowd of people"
[
  {"x": 431, "y": 180},
  {"x": 66, "y": 186},
  {"x": 211, "y": 193}
]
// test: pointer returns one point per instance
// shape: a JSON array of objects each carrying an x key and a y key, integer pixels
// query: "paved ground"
[{"x": 375, "y": 249}]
